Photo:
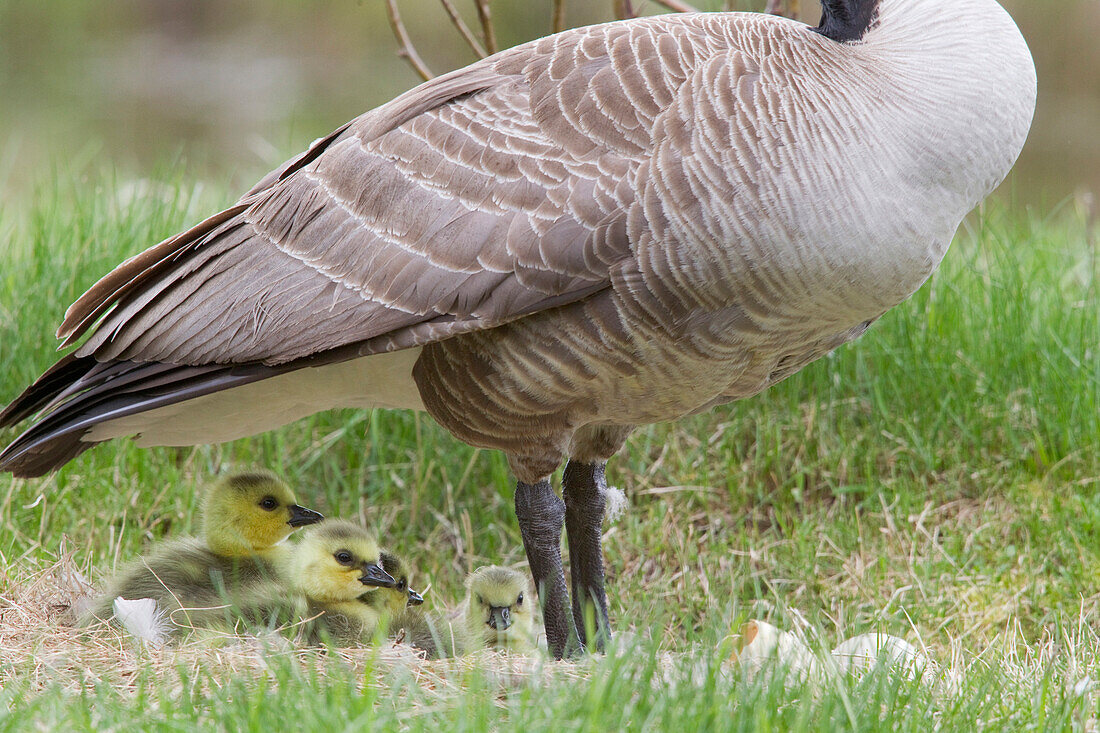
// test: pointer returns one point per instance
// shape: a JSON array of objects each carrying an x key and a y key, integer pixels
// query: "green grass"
[{"x": 936, "y": 480}]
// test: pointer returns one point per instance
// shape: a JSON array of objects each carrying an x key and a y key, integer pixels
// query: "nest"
[{"x": 41, "y": 646}]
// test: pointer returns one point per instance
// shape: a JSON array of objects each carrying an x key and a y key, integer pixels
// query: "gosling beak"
[
  {"x": 415, "y": 599},
  {"x": 500, "y": 617},
  {"x": 300, "y": 516},
  {"x": 374, "y": 575}
]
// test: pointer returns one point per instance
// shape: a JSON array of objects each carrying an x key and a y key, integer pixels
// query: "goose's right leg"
[{"x": 585, "y": 491}]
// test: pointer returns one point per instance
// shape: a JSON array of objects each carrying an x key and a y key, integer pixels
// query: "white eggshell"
[
  {"x": 762, "y": 645},
  {"x": 862, "y": 653}
]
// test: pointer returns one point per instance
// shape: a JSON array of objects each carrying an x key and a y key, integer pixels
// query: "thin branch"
[
  {"x": 405, "y": 48},
  {"x": 677, "y": 6},
  {"x": 624, "y": 9},
  {"x": 487, "y": 31},
  {"x": 464, "y": 29},
  {"x": 558, "y": 17},
  {"x": 786, "y": 8}
]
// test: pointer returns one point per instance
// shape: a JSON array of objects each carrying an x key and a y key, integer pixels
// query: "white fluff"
[
  {"x": 614, "y": 504},
  {"x": 143, "y": 619}
]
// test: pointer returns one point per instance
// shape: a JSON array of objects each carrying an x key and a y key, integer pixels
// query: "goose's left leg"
[{"x": 541, "y": 514}]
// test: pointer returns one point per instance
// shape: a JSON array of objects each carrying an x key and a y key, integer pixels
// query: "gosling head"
[
  {"x": 397, "y": 599},
  {"x": 250, "y": 512},
  {"x": 337, "y": 562},
  {"x": 498, "y": 608}
]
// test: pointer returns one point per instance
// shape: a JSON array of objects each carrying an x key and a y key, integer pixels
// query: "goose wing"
[
  {"x": 493, "y": 192},
  {"x": 496, "y": 191}
]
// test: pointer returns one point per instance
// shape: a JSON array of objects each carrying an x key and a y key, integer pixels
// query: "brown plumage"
[{"x": 607, "y": 227}]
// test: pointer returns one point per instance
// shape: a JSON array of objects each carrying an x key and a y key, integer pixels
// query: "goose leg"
[
  {"x": 541, "y": 515},
  {"x": 585, "y": 488}
]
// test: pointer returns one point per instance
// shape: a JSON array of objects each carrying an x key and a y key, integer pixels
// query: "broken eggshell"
[{"x": 763, "y": 647}]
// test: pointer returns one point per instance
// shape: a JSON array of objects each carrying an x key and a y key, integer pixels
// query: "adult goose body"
[{"x": 607, "y": 227}]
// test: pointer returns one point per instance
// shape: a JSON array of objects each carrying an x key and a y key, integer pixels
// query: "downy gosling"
[
  {"x": 395, "y": 601},
  {"x": 498, "y": 611},
  {"x": 402, "y": 606},
  {"x": 246, "y": 517},
  {"x": 343, "y": 590}
]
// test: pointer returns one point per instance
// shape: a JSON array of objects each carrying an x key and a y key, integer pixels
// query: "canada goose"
[
  {"x": 394, "y": 601},
  {"x": 497, "y": 611},
  {"x": 332, "y": 568},
  {"x": 398, "y": 606},
  {"x": 430, "y": 632},
  {"x": 494, "y": 614},
  {"x": 246, "y": 516},
  {"x": 608, "y": 227},
  {"x": 251, "y": 513}
]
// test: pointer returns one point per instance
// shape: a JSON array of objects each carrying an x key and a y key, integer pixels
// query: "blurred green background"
[{"x": 235, "y": 86}]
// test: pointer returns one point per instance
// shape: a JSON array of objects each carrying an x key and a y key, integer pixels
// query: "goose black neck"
[{"x": 845, "y": 21}]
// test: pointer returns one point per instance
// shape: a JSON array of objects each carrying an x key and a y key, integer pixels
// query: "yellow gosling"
[
  {"x": 251, "y": 513},
  {"x": 197, "y": 581},
  {"x": 342, "y": 588},
  {"x": 393, "y": 602},
  {"x": 498, "y": 611}
]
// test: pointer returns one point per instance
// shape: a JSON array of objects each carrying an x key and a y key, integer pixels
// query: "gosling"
[
  {"x": 497, "y": 613},
  {"x": 430, "y": 634},
  {"x": 393, "y": 602},
  {"x": 196, "y": 581},
  {"x": 342, "y": 590}
]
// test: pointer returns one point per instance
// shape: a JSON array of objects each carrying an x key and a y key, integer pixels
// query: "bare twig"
[
  {"x": 405, "y": 48},
  {"x": 625, "y": 9},
  {"x": 464, "y": 29},
  {"x": 407, "y": 51},
  {"x": 677, "y": 5},
  {"x": 557, "y": 23},
  {"x": 786, "y": 8},
  {"x": 487, "y": 31}
]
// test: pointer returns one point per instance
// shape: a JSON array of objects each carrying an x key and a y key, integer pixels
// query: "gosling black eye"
[
  {"x": 402, "y": 584},
  {"x": 269, "y": 503},
  {"x": 480, "y": 600},
  {"x": 343, "y": 557},
  {"x": 519, "y": 600}
]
